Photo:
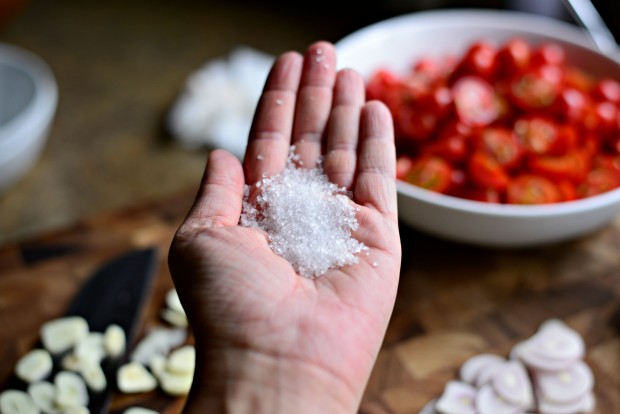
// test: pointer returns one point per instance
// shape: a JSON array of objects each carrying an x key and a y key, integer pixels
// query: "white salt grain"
[
  {"x": 278, "y": 101},
  {"x": 308, "y": 219},
  {"x": 260, "y": 157}
]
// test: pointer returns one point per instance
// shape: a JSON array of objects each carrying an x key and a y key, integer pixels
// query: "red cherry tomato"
[
  {"x": 600, "y": 180},
  {"x": 549, "y": 54},
  {"x": 607, "y": 90},
  {"x": 475, "y": 101},
  {"x": 573, "y": 167},
  {"x": 381, "y": 81},
  {"x": 486, "y": 172},
  {"x": 535, "y": 89},
  {"x": 431, "y": 173},
  {"x": 414, "y": 123},
  {"x": 567, "y": 190},
  {"x": 537, "y": 134},
  {"x": 452, "y": 144},
  {"x": 532, "y": 189},
  {"x": 403, "y": 166},
  {"x": 572, "y": 105},
  {"x": 479, "y": 60},
  {"x": 502, "y": 145},
  {"x": 513, "y": 57},
  {"x": 486, "y": 195}
]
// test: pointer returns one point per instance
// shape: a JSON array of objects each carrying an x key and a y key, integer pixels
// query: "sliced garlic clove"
[
  {"x": 34, "y": 366},
  {"x": 134, "y": 377},
  {"x": 44, "y": 396},
  {"x": 457, "y": 398},
  {"x": 60, "y": 335},
  {"x": 114, "y": 341},
  {"x": 174, "y": 318},
  {"x": 90, "y": 349},
  {"x": 567, "y": 385},
  {"x": 472, "y": 367},
  {"x": 175, "y": 384},
  {"x": 173, "y": 302},
  {"x": 583, "y": 404},
  {"x": 157, "y": 365},
  {"x": 70, "y": 362},
  {"x": 139, "y": 410},
  {"x": 158, "y": 342},
  {"x": 71, "y": 390},
  {"x": 512, "y": 383},
  {"x": 182, "y": 360},
  {"x": 17, "y": 402},
  {"x": 94, "y": 376},
  {"x": 488, "y": 402}
]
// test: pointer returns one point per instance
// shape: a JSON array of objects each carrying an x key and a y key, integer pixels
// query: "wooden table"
[{"x": 454, "y": 301}]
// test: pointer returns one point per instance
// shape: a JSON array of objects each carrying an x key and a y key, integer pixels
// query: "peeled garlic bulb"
[
  {"x": 34, "y": 366},
  {"x": 134, "y": 377},
  {"x": 60, "y": 335}
]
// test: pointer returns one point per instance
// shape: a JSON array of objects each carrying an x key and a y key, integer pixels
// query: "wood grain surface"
[{"x": 454, "y": 301}]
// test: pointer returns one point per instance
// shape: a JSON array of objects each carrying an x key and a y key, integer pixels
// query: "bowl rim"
[
  {"x": 508, "y": 20},
  {"x": 18, "y": 132}
]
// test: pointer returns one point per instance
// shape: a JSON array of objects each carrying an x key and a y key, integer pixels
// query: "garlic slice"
[
  {"x": 182, "y": 360},
  {"x": 34, "y": 366},
  {"x": 139, "y": 410},
  {"x": 59, "y": 335},
  {"x": 71, "y": 390},
  {"x": 457, "y": 398},
  {"x": 174, "y": 318},
  {"x": 175, "y": 384},
  {"x": 134, "y": 377},
  {"x": 44, "y": 396},
  {"x": 114, "y": 341},
  {"x": 157, "y": 365},
  {"x": 173, "y": 301},
  {"x": 158, "y": 341},
  {"x": 17, "y": 402},
  {"x": 94, "y": 376},
  {"x": 90, "y": 350}
]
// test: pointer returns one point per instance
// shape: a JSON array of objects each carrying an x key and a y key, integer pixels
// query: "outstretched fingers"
[
  {"x": 270, "y": 134},
  {"x": 314, "y": 101},
  {"x": 375, "y": 184},
  {"x": 343, "y": 128}
]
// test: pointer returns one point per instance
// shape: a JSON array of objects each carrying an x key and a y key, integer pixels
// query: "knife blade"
[{"x": 115, "y": 294}]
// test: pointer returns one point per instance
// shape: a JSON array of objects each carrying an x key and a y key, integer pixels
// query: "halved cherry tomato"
[
  {"x": 607, "y": 161},
  {"x": 573, "y": 166},
  {"x": 532, "y": 189},
  {"x": 475, "y": 101},
  {"x": 452, "y": 144},
  {"x": 578, "y": 79},
  {"x": 431, "y": 173},
  {"x": 567, "y": 190},
  {"x": 571, "y": 105},
  {"x": 403, "y": 166},
  {"x": 600, "y": 180},
  {"x": 486, "y": 195},
  {"x": 537, "y": 134},
  {"x": 502, "y": 145},
  {"x": 486, "y": 172},
  {"x": 536, "y": 89},
  {"x": 380, "y": 81},
  {"x": 415, "y": 123}
]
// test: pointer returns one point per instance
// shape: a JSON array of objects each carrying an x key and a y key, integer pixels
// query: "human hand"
[{"x": 268, "y": 340}]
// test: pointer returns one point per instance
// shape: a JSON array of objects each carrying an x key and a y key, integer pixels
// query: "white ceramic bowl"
[
  {"x": 28, "y": 98},
  {"x": 396, "y": 43}
]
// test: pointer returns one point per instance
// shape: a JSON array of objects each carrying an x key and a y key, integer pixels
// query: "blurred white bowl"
[
  {"x": 28, "y": 98},
  {"x": 396, "y": 43}
]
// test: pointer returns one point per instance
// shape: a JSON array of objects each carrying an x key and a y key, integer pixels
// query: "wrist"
[{"x": 239, "y": 381}]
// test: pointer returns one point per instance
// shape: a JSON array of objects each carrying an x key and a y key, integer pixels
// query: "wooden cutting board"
[{"x": 454, "y": 301}]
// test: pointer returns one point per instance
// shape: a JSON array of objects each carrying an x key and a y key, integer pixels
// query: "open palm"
[{"x": 240, "y": 296}]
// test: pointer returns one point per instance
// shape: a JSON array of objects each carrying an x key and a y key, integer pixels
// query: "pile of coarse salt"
[{"x": 308, "y": 219}]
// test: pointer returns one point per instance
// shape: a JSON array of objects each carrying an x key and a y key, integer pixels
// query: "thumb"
[{"x": 219, "y": 199}]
